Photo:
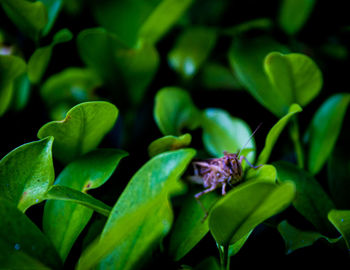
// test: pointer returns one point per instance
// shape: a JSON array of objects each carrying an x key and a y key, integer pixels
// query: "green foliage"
[{"x": 168, "y": 143}]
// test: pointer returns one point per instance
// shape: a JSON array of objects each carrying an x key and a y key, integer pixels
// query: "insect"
[{"x": 219, "y": 172}]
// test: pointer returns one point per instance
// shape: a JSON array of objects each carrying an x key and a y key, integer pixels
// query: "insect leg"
[
  {"x": 250, "y": 165},
  {"x": 223, "y": 190}
]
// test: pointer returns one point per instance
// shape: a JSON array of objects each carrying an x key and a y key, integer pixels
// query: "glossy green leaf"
[
  {"x": 26, "y": 173},
  {"x": 295, "y": 77},
  {"x": 265, "y": 173},
  {"x": 190, "y": 226},
  {"x": 118, "y": 64},
  {"x": 341, "y": 221},
  {"x": 162, "y": 18},
  {"x": 168, "y": 143},
  {"x": 40, "y": 59},
  {"x": 324, "y": 130},
  {"x": 236, "y": 247},
  {"x": 312, "y": 201},
  {"x": 275, "y": 132},
  {"x": 82, "y": 130},
  {"x": 11, "y": 67},
  {"x": 246, "y": 57},
  {"x": 229, "y": 221},
  {"x": 22, "y": 244},
  {"x": 30, "y": 17},
  {"x": 68, "y": 88},
  {"x": 191, "y": 50},
  {"x": 64, "y": 220},
  {"x": 293, "y": 14},
  {"x": 152, "y": 184},
  {"x": 53, "y": 8},
  {"x": 295, "y": 239},
  {"x": 222, "y": 132},
  {"x": 174, "y": 111}
]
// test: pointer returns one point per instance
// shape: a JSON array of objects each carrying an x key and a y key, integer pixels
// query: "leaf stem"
[
  {"x": 224, "y": 256},
  {"x": 294, "y": 134}
]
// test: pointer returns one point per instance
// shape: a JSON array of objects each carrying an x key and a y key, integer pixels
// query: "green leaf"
[
  {"x": 66, "y": 194},
  {"x": 208, "y": 264},
  {"x": 295, "y": 77},
  {"x": 312, "y": 201},
  {"x": 168, "y": 143},
  {"x": 222, "y": 132},
  {"x": 191, "y": 50},
  {"x": 21, "y": 92},
  {"x": 40, "y": 59},
  {"x": 152, "y": 184},
  {"x": 260, "y": 23},
  {"x": 265, "y": 173},
  {"x": 82, "y": 130},
  {"x": 229, "y": 221},
  {"x": 189, "y": 227},
  {"x": 246, "y": 57},
  {"x": 274, "y": 133},
  {"x": 341, "y": 221},
  {"x": 293, "y": 14},
  {"x": 295, "y": 238},
  {"x": 30, "y": 17},
  {"x": 174, "y": 111},
  {"x": 162, "y": 19},
  {"x": 236, "y": 247},
  {"x": 324, "y": 130},
  {"x": 53, "y": 8},
  {"x": 22, "y": 244},
  {"x": 11, "y": 67},
  {"x": 117, "y": 64},
  {"x": 26, "y": 173},
  {"x": 64, "y": 220}
]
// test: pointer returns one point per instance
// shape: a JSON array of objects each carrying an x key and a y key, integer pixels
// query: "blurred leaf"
[
  {"x": 325, "y": 128},
  {"x": 150, "y": 186},
  {"x": 260, "y": 23},
  {"x": 191, "y": 50},
  {"x": 312, "y": 201},
  {"x": 189, "y": 227},
  {"x": 168, "y": 143},
  {"x": 246, "y": 57},
  {"x": 117, "y": 64},
  {"x": 22, "y": 244},
  {"x": 295, "y": 76},
  {"x": 265, "y": 173},
  {"x": 11, "y": 67},
  {"x": 295, "y": 238},
  {"x": 341, "y": 221},
  {"x": 69, "y": 88},
  {"x": 30, "y": 17},
  {"x": 222, "y": 132},
  {"x": 40, "y": 59},
  {"x": 21, "y": 92},
  {"x": 53, "y": 7},
  {"x": 275, "y": 132},
  {"x": 293, "y": 14},
  {"x": 82, "y": 130},
  {"x": 26, "y": 173},
  {"x": 174, "y": 111},
  {"x": 229, "y": 221},
  {"x": 208, "y": 264},
  {"x": 63, "y": 221},
  {"x": 162, "y": 19}
]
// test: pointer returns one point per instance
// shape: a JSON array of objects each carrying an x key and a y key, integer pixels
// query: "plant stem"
[
  {"x": 226, "y": 259},
  {"x": 294, "y": 134}
]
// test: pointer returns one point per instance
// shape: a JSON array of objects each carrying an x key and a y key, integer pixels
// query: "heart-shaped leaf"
[
  {"x": 229, "y": 221},
  {"x": 10, "y": 68},
  {"x": 191, "y": 50},
  {"x": 324, "y": 130},
  {"x": 30, "y": 17},
  {"x": 174, "y": 111},
  {"x": 295, "y": 77},
  {"x": 274, "y": 133},
  {"x": 168, "y": 143},
  {"x": 26, "y": 173},
  {"x": 222, "y": 132},
  {"x": 64, "y": 220},
  {"x": 40, "y": 59},
  {"x": 150, "y": 185},
  {"x": 22, "y": 244},
  {"x": 293, "y": 14},
  {"x": 82, "y": 130},
  {"x": 312, "y": 201},
  {"x": 341, "y": 221}
]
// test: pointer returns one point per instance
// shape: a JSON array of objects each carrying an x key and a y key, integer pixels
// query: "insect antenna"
[{"x": 250, "y": 137}]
